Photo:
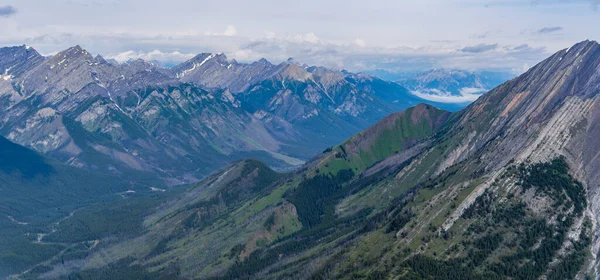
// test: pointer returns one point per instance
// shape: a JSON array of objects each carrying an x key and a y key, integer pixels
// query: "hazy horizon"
[{"x": 499, "y": 35}]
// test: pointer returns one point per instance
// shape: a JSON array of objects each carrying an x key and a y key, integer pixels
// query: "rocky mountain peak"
[
  {"x": 573, "y": 55},
  {"x": 76, "y": 51},
  {"x": 189, "y": 67},
  {"x": 100, "y": 59},
  {"x": 202, "y": 57},
  {"x": 140, "y": 63},
  {"x": 262, "y": 61},
  {"x": 292, "y": 71},
  {"x": 71, "y": 54},
  {"x": 16, "y": 60}
]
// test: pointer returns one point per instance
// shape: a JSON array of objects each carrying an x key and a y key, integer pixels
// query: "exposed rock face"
[
  {"x": 540, "y": 114},
  {"x": 552, "y": 110},
  {"x": 477, "y": 165},
  {"x": 139, "y": 116},
  {"x": 216, "y": 71},
  {"x": 308, "y": 97},
  {"x": 16, "y": 60}
]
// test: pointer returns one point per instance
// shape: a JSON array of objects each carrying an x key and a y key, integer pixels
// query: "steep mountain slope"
[
  {"x": 237, "y": 211},
  {"x": 507, "y": 176},
  {"x": 178, "y": 125},
  {"x": 506, "y": 188},
  {"x": 131, "y": 118},
  {"x": 324, "y": 104},
  {"x": 14, "y": 61}
]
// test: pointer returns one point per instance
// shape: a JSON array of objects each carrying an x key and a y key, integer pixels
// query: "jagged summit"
[
  {"x": 100, "y": 59},
  {"x": 292, "y": 71},
  {"x": 262, "y": 61},
  {"x": 71, "y": 54},
  {"x": 14, "y": 61},
  {"x": 76, "y": 50}
]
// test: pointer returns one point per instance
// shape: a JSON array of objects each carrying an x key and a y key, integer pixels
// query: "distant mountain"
[
  {"x": 181, "y": 124},
  {"x": 392, "y": 75},
  {"x": 216, "y": 71},
  {"x": 449, "y": 85},
  {"x": 313, "y": 99},
  {"x": 505, "y": 189}
]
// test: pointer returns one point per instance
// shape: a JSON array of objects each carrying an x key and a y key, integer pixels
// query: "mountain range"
[
  {"x": 452, "y": 85},
  {"x": 180, "y": 124},
  {"x": 506, "y": 188}
]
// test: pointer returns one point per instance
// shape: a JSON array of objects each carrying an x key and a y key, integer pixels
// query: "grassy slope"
[
  {"x": 509, "y": 226},
  {"x": 403, "y": 235},
  {"x": 393, "y": 134},
  {"x": 321, "y": 223},
  {"x": 217, "y": 222},
  {"x": 203, "y": 219}
]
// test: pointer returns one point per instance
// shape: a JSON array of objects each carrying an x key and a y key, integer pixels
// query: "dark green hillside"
[
  {"x": 390, "y": 136},
  {"x": 36, "y": 193},
  {"x": 19, "y": 160},
  {"x": 161, "y": 224}
]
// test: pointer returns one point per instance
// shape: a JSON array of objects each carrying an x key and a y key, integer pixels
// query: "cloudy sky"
[{"x": 359, "y": 35}]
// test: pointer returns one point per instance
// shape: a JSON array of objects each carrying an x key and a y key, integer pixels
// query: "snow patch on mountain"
[{"x": 195, "y": 65}]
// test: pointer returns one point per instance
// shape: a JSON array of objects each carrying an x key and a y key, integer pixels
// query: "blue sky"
[{"x": 358, "y": 35}]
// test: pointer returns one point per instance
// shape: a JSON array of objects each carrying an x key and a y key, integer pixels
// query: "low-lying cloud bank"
[{"x": 467, "y": 95}]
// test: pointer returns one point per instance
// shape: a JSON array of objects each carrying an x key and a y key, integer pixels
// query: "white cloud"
[
  {"x": 269, "y": 35},
  {"x": 154, "y": 55},
  {"x": 467, "y": 95},
  {"x": 245, "y": 55},
  {"x": 391, "y": 35},
  {"x": 360, "y": 42},
  {"x": 305, "y": 38},
  {"x": 229, "y": 31},
  {"x": 309, "y": 48}
]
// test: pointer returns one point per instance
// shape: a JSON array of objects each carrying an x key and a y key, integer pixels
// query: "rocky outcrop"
[{"x": 14, "y": 61}]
